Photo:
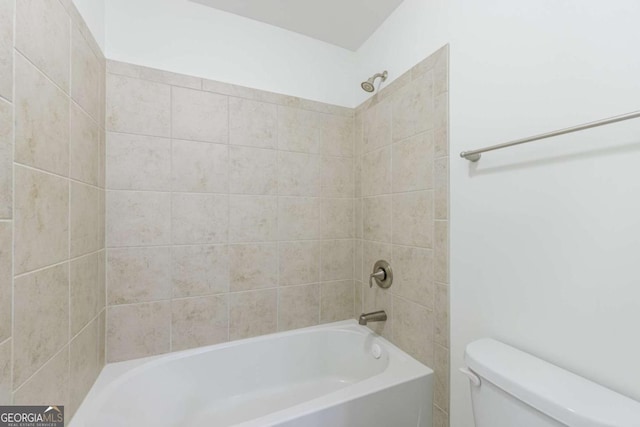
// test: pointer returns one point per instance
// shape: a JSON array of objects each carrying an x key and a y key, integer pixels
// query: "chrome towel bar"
[{"x": 474, "y": 155}]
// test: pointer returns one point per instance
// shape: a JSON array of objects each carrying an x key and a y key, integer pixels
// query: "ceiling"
[{"x": 344, "y": 23}]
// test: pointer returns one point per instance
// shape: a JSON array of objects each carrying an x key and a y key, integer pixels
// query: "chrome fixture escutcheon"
[{"x": 382, "y": 274}]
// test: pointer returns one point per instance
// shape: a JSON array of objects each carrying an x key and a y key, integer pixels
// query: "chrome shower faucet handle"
[{"x": 382, "y": 274}]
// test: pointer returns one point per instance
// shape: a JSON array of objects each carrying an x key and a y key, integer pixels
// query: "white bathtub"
[{"x": 339, "y": 374}]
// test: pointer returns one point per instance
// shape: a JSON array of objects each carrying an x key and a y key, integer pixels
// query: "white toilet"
[{"x": 510, "y": 388}]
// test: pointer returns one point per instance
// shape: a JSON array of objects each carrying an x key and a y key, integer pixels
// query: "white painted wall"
[
  {"x": 187, "y": 37},
  {"x": 93, "y": 13},
  {"x": 545, "y": 238}
]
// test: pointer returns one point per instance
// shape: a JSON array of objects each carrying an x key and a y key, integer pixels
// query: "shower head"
[{"x": 368, "y": 85}]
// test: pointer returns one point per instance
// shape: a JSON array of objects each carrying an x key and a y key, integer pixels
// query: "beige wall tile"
[
  {"x": 6, "y": 159},
  {"x": 84, "y": 147},
  {"x": 41, "y": 120},
  {"x": 299, "y": 130},
  {"x": 138, "y": 218},
  {"x": 413, "y": 219},
  {"x": 299, "y": 262},
  {"x": 41, "y": 222},
  {"x": 376, "y": 218},
  {"x": 441, "y": 188},
  {"x": 413, "y": 329},
  {"x": 357, "y": 177},
  {"x": 154, "y": 75},
  {"x": 337, "y": 260},
  {"x": 413, "y": 274},
  {"x": 83, "y": 363},
  {"x": 377, "y": 127},
  {"x": 358, "y": 214},
  {"x": 42, "y": 35},
  {"x": 337, "y": 301},
  {"x": 413, "y": 163},
  {"x": 199, "y": 166},
  {"x": 102, "y": 175},
  {"x": 49, "y": 384},
  {"x": 376, "y": 172},
  {"x": 86, "y": 75},
  {"x": 441, "y": 312},
  {"x": 337, "y": 135},
  {"x": 358, "y": 259},
  {"x": 358, "y": 133},
  {"x": 337, "y": 177},
  {"x": 38, "y": 338},
  {"x": 299, "y": 174},
  {"x": 253, "y": 123},
  {"x": 298, "y": 218},
  {"x": 424, "y": 66},
  {"x": 5, "y": 372},
  {"x": 441, "y": 252},
  {"x": 441, "y": 383},
  {"x": 86, "y": 219},
  {"x": 298, "y": 306},
  {"x": 253, "y": 218},
  {"x": 6, "y": 48},
  {"x": 138, "y": 275},
  {"x": 199, "y": 218},
  {"x": 199, "y": 270},
  {"x": 441, "y": 109},
  {"x": 441, "y": 141},
  {"x": 253, "y": 266},
  {"x": 138, "y": 106},
  {"x": 87, "y": 292},
  {"x": 138, "y": 162},
  {"x": 337, "y": 218},
  {"x": 413, "y": 110},
  {"x": 138, "y": 330},
  {"x": 102, "y": 339},
  {"x": 196, "y": 322},
  {"x": 358, "y": 299},
  {"x": 199, "y": 116},
  {"x": 6, "y": 296},
  {"x": 240, "y": 91},
  {"x": 253, "y": 171},
  {"x": 252, "y": 313},
  {"x": 440, "y": 418}
]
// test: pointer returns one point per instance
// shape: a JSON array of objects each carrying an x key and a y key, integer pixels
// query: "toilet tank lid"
[{"x": 562, "y": 395}]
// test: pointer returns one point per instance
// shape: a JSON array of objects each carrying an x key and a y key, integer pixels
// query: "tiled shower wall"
[
  {"x": 230, "y": 212},
  {"x": 51, "y": 204},
  {"x": 402, "y": 214}
]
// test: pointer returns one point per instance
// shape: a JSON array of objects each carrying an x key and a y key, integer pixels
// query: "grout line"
[
  {"x": 278, "y": 149},
  {"x": 32, "y": 168},
  {"x": 171, "y": 184},
  {"x": 57, "y": 264},
  {"x": 70, "y": 107},
  {"x": 278, "y": 219},
  {"x": 263, "y": 243},
  {"x": 13, "y": 204},
  {"x": 45, "y": 75},
  {"x": 44, "y": 364}
]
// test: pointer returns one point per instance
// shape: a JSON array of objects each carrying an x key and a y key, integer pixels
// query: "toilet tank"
[{"x": 511, "y": 388}]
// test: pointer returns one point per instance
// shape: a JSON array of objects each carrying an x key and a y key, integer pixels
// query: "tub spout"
[{"x": 376, "y": 316}]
